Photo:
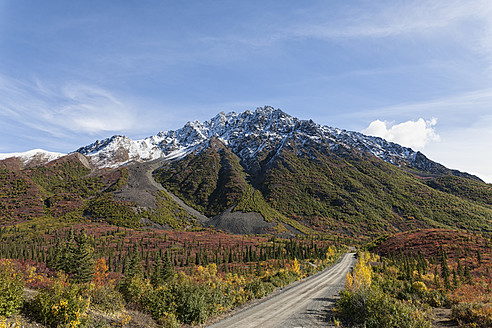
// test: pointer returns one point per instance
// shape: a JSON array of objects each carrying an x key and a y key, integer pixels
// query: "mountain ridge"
[
  {"x": 261, "y": 171},
  {"x": 248, "y": 134}
]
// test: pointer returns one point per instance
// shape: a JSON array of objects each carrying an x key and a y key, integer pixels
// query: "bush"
[
  {"x": 372, "y": 308},
  {"x": 473, "y": 315},
  {"x": 11, "y": 289},
  {"x": 258, "y": 288},
  {"x": 133, "y": 288},
  {"x": 107, "y": 299},
  {"x": 282, "y": 278},
  {"x": 191, "y": 303},
  {"x": 158, "y": 302},
  {"x": 169, "y": 320},
  {"x": 60, "y": 306}
]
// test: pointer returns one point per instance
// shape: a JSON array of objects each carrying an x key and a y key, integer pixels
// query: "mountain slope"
[
  {"x": 211, "y": 180},
  {"x": 70, "y": 189},
  {"x": 363, "y": 195},
  {"x": 333, "y": 187},
  {"x": 255, "y": 171}
]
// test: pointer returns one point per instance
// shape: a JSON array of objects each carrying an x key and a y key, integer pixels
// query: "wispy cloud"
[
  {"x": 400, "y": 18},
  {"x": 65, "y": 109},
  {"x": 460, "y": 110}
]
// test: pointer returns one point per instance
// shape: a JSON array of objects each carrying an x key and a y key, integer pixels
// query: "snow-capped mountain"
[
  {"x": 33, "y": 157},
  {"x": 247, "y": 134}
]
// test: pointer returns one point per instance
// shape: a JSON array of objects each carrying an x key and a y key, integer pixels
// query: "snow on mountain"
[
  {"x": 247, "y": 134},
  {"x": 33, "y": 157}
]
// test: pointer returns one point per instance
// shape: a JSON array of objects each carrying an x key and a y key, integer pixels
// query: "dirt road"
[{"x": 303, "y": 305}]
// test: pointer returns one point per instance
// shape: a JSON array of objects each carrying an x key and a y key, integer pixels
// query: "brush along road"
[{"x": 304, "y": 304}]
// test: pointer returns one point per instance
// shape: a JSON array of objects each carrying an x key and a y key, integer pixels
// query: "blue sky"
[{"x": 415, "y": 72}]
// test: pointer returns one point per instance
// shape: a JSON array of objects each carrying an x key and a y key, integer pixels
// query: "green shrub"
[
  {"x": 107, "y": 299},
  {"x": 169, "y": 320},
  {"x": 437, "y": 298},
  {"x": 472, "y": 315},
  {"x": 259, "y": 288},
  {"x": 191, "y": 303},
  {"x": 372, "y": 308},
  {"x": 11, "y": 289},
  {"x": 220, "y": 298},
  {"x": 132, "y": 288},
  {"x": 60, "y": 306},
  {"x": 283, "y": 278},
  {"x": 158, "y": 302}
]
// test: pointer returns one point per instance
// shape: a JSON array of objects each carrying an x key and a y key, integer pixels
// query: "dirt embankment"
[{"x": 241, "y": 223}]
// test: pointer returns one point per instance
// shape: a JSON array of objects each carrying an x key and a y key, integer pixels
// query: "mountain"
[
  {"x": 251, "y": 135},
  {"x": 252, "y": 172},
  {"x": 30, "y": 158},
  {"x": 305, "y": 175}
]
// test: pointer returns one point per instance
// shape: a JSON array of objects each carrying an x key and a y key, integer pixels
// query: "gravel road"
[{"x": 302, "y": 305}]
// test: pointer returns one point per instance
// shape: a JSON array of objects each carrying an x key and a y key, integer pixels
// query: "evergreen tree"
[
  {"x": 436, "y": 278},
  {"x": 459, "y": 269},
  {"x": 135, "y": 267},
  {"x": 468, "y": 276},
  {"x": 445, "y": 269},
  {"x": 157, "y": 272},
  {"x": 167, "y": 268},
  {"x": 479, "y": 257},
  {"x": 84, "y": 263},
  {"x": 163, "y": 270},
  {"x": 74, "y": 256},
  {"x": 455, "y": 279}
]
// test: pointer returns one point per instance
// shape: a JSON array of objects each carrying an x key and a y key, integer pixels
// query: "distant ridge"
[{"x": 33, "y": 157}]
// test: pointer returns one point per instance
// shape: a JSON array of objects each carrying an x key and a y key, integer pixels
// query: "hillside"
[{"x": 264, "y": 170}]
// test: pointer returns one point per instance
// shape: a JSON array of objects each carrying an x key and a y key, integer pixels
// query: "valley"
[{"x": 186, "y": 225}]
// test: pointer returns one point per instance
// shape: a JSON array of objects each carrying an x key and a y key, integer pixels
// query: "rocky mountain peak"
[{"x": 249, "y": 135}]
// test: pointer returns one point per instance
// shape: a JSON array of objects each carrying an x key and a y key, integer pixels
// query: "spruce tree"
[
  {"x": 83, "y": 260},
  {"x": 468, "y": 276},
  {"x": 135, "y": 267},
  {"x": 445, "y": 269},
  {"x": 157, "y": 272},
  {"x": 479, "y": 257},
  {"x": 167, "y": 268}
]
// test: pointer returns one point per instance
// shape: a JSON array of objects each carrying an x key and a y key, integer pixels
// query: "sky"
[{"x": 418, "y": 73}]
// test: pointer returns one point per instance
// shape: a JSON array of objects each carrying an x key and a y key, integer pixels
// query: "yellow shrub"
[
  {"x": 296, "y": 267},
  {"x": 330, "y": 253},
  {"x": 419, "y": 286},
  {"x": 360, "y": 278}
]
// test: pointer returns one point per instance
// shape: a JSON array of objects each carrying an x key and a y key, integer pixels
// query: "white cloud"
[
  {"x": 70, "y": 108},
  {"x": 414, "y": 134},
  {"x": 94, "y": 110}
]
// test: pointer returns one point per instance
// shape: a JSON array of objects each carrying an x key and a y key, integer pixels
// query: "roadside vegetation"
[
  {"x": 128, "y": 278},
  {"x": 416, "y": 273}
]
